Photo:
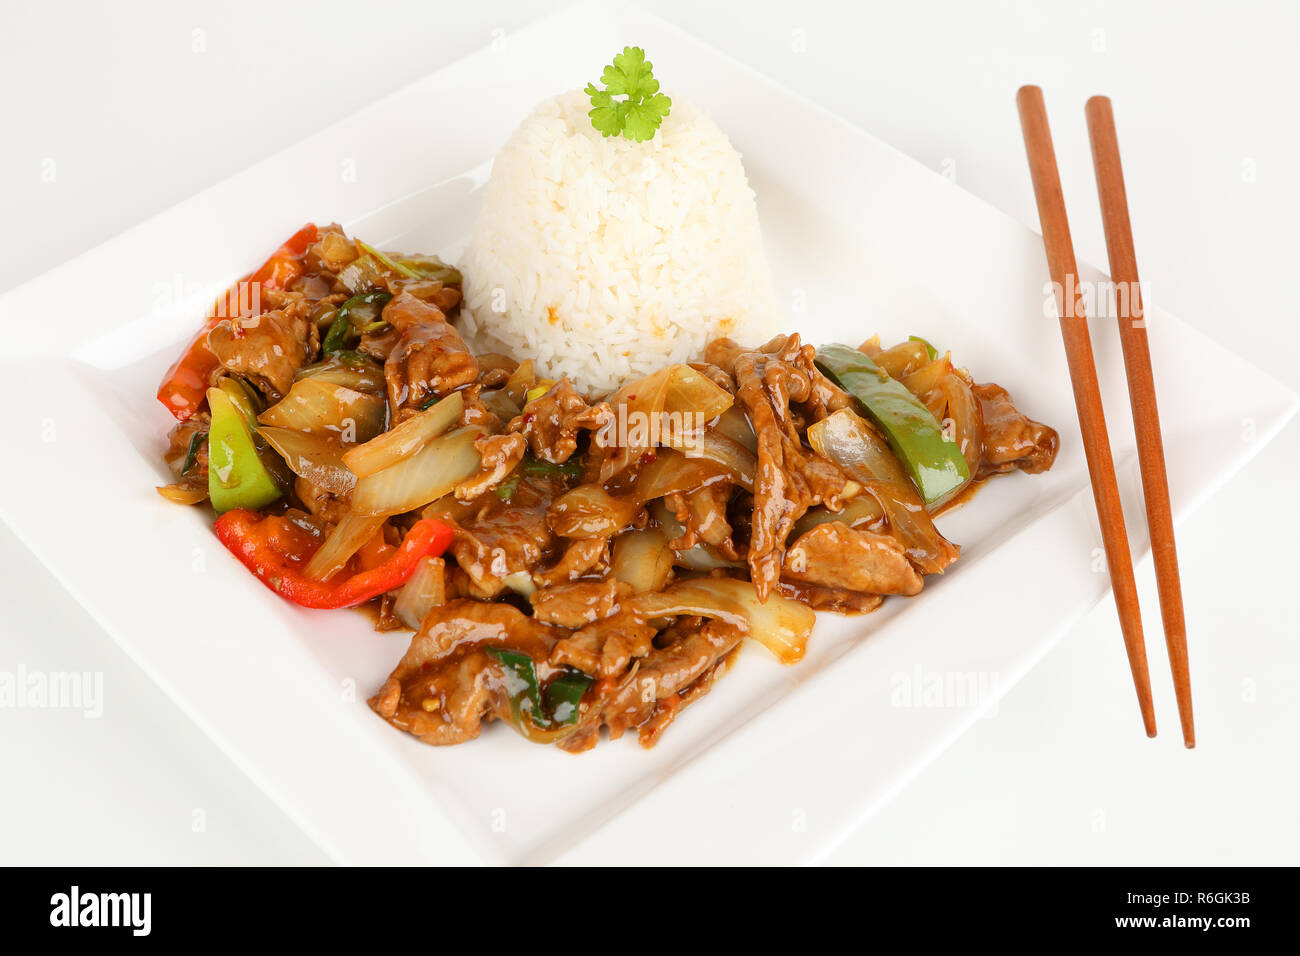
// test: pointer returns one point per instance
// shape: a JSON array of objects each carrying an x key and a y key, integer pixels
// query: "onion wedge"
[
  {"x": 672, "y": 471},
  {"x": 863, "y": 511},
  {"x": 357, "y": 373},
  {"x": 734, "y": 423},
  {"x": 426, "y": 476},
  {"x": 668, "y": 407},
  {"x": 780, "y": 624},
  {"x": 384, "y": 451},
  {"x": 183, "y": 494},
  {"x": 424, "y": 589},
  {"x": 323, "y": 408},
  {"x": 643, "y": 560},
  {"x": 313, "y": 457},
  {"x": 714, "y": 446},
  {"x": 589, "y": 511},
  {"x": 341, "y": 544}
]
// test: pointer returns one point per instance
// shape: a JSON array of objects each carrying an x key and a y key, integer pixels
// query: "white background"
[{"x": 132, "y": 110}]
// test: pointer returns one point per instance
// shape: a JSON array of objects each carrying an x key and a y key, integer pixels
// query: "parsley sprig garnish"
[{"x": 638, "y": 115}]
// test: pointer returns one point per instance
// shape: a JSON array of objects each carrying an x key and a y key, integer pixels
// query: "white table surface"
[{"x": 130, "y": 112}]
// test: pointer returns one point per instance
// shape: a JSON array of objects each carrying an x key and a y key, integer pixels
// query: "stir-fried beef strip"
[
  {"x": 319, "y": 503},
  {"x": 552, "y": 422},
  {"x": 606, "y": 647},
  {"x": 791, "y": 478},
  {"x": 499, "y": 455},
  {"x": 832, "y": 599},
  {"x": 833, "y": 555},
  {"x": 430, "y": 359},
  {"x": 502, "y": 539},
  {"x": 705, "y": 517},
  {"x": 665, "y": 680},
  {"x": 1011, "y": 440},
  {"x": 581, "y": 557},
  {"x": 579, "y": 603},
  {"x": 447, "y": 683},
  {"x": 266, "y": 349}
]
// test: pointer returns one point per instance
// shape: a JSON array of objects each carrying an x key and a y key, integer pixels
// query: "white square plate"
[{"x": 777, "y": 763}]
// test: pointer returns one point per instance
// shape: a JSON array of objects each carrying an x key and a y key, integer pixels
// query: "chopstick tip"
[{"x": 1098, "y": 101}]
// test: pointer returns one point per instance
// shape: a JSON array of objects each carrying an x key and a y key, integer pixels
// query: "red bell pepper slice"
[
  {"x": 275, "y": 550},
  {"x": 186, "y": 383}
]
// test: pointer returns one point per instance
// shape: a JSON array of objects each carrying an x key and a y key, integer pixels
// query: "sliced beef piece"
[
  {"x": 581, "y": 557},
  {"x": 706, "y": 517},
  {"x": 1011, "y": 440},
  {"x": 386, "y": 618},
  {"x": 715, "y": 375},
  {"x": 380, "y": 343},
  {"x": 429, "y": 360},
  {"x": 833, "y": 555},
  {"x": 661, "y": 684},
  {"x": 499, "y": 454},
  {"x": 666, "y": 710},
  {"x": 447, "y": 684},
  {"x": 495, "y": 369},
  {"x": 577, "y": 604},
  {"x": 267, "y": 349},
  {"x": 476, "y": 412},
  {"x": 500, "y": 540},
  {"x": 551, "y": 422},
  {"x": 605, "y": 648},
  {"x": 790, "y": 477},
  {"x": 832, "y": 599}
]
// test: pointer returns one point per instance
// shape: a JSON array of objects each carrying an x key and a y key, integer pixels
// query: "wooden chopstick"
[
  {"x": 1087, "y": 393},
  {"x": 1142, "y": 396}
]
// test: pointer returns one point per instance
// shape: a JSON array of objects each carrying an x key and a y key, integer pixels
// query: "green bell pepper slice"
[
  {"x": 236, "y": 476},
  {"x": 933, "y": 461}
]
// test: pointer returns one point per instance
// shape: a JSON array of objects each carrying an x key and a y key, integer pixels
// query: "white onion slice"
[{"x": 426, "y": 476}]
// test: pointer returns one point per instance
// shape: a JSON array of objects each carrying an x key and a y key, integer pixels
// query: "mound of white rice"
[{"x": 604, "y": 259}]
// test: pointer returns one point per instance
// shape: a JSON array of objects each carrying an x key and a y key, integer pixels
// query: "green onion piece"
[
  {"x": 506, "y": 490},
  {"x": 521, "y": 685},
  {"x": 388, "y": 263},
  {"x": 195, "y": 441},
  {"x": 563, "y": 695},
  {"x": 571, "y": 469},
  {"x": 336, "y": 339}
]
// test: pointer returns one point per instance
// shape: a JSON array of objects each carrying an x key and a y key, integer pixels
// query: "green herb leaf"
[{"x": 638, "y": 115}]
